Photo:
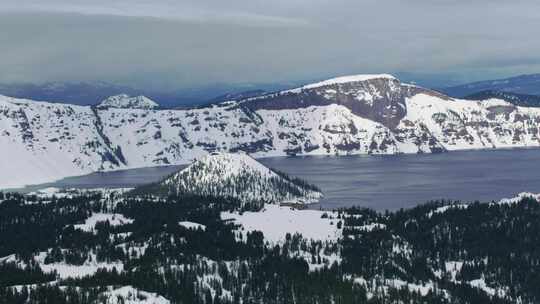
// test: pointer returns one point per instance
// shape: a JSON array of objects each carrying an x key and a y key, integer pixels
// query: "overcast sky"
[{"x": 174, "y": 44}]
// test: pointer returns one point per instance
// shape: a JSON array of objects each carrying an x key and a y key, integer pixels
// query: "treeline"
[{"x": 419, "y": 255}]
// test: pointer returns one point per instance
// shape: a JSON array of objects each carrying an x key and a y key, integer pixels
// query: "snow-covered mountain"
[
  {"x": 79, "y": 93},
  {"x": 124, "y": 101},
  {"x": 238, "y": 176},
  {"x": 364, "y": 114}
]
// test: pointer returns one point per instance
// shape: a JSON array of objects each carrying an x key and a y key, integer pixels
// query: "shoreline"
[{"x": 65, "y": 182}]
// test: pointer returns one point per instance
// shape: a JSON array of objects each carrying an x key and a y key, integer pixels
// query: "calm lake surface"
[{"x": 381, "y": 182}]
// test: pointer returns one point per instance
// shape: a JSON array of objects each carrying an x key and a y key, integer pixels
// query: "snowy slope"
[
  {"x": 275, "y": 222},
  {"x": 360, "y": 114},
  {"x": 238, "y": 176},
  {"x": 131, "y": 295},
  {"x": 348, "y": 79},
  {"x": 464, "y": 124},
  {"x": 44, "y": 141}
]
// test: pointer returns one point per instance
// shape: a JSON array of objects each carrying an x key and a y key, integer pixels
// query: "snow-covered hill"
[
  {"x": 362, "y": 114},
  {"x": 124, "y": 101},
  {"x": 238, "y": 176}
]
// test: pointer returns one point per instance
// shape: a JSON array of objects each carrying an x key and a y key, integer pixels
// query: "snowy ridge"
[
  {"x": 354, "y": 81},
  {"x": 124, "y": 101},
  {"x": 239, "y": 176},
  {"x": 227, "y": 165},
  {"x": 348, "y": 79},
  {"x": 520, "y": 197},
  {"x": 503, "y": 201}
]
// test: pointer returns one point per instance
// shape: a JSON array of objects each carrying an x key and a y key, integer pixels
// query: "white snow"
[
  {"x": 469, "y": 124},
  {"x": 131, "y": 295},
  {"x": 453, "y": 267},
  {"x": 47, "y": 191},
  {"x": 65, "y": 271},
  {"x": 481, "y": 284},
  {"x": 133, "y": 248},
  {"x": 519, "y": 197},
  {"x": 42, "y": 142},
  {"x": 372, "y": 226},
  {"x": 347, "y": 79},
  {"x": 422, "y": 289},
  {"x": 192, "y": 225},
  {"x": 114, "y": 219},
  {"x": 276, "y": 221},
  {"x": 50, "y": 192},
  {"x": 494, "y": 102},
  {"x": 443, "y": 209},
  {"x": 8, "y": 259}
]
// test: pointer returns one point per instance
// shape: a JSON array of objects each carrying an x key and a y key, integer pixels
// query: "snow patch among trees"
[
  {"x": 114, "y": 219},
  {"x": 275, "y": 222},
  {"x": 192, "y": 225},
  {"x": 131, "y": 295}
]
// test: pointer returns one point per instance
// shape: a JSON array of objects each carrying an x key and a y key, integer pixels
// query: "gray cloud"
[{"x": 173, "y": 44}]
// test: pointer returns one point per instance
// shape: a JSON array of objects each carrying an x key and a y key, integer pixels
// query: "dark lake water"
[{"x": 382, "y": 182}]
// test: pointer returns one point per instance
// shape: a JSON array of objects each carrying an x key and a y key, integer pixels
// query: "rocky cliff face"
[
  {"x": 373, "y": 114},
  {"x": 380, "y": 98}
]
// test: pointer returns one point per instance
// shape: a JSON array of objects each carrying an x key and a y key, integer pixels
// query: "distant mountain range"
[
  {"x": 79, "y": 93},
  {"x": 238, "y": 95},
  {"x": 523, "y": 87},
  {"x": 523, "y": 84},
  {"x": 523, "y": 100},
  {"x": 91, "y": 93}
]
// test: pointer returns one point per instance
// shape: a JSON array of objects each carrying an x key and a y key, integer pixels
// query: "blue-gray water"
[{"x": 382, "y": 182}]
